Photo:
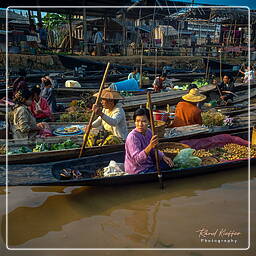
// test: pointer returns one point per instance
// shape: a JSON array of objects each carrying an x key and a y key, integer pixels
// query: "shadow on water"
[{"x": 85, "y": 202}]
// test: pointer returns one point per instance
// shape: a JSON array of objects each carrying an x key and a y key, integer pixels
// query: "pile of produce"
[
  {"x": 188, "y": 157},
  {"x": 212, "y": 118},
  {"x": 75, "y": 117},
  {"x": 42, "y": 147},
  {"x": 102, "y": 138},
  {"x": 202, "y": 153},
  {"x": 199, "y": 83},
  {"x": 20, "y": 150},
  {"x": 68, "y": 144},
  {"x": 234, "y": 151},
  {"x": 79, "y": 110}
]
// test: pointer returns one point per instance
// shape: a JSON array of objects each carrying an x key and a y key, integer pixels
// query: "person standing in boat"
[
  {"x": 98, "y": 40},
  {"x": 140, "y": 145},
  {"x": 48, "y": 93},
  {"x": 135, "y": 74},
  {"x": 249, "y": 74},
  {"x": 187, "y": 111},
  {"x": 112, "y": 116},
  {"x": 226, "y": 89},
  {"x": 23, "y": 123},
  {"x": 39, "y": 107}
]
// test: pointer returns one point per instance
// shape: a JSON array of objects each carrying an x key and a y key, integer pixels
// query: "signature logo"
[{"x": 219, "y": 235}]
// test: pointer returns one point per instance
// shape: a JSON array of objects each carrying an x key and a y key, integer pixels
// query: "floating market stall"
[
  {"x": 229, "y": 152},
  {"x": 67, "y": 147}
]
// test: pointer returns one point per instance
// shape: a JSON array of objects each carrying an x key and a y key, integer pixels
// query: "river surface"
[{"x": 134, "y": 216}]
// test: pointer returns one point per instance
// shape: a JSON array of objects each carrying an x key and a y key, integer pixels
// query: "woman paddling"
[{"x": 140, "y": 145}]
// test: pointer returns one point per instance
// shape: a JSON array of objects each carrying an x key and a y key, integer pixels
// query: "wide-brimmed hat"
[
  {"x": 109, "y": 94},
  {"x": 194, "y": 96}
]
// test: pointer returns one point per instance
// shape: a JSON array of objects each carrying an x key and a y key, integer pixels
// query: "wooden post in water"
[{"x": 85, "y": 48}]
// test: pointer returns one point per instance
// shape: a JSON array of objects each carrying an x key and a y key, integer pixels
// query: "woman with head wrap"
[{"x": 23, "y": 123}]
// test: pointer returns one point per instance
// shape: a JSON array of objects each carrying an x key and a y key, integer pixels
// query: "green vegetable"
[{"x": 185, "y": 159}]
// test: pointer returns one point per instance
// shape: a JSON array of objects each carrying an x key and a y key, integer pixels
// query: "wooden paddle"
[
  {"x": 93, "y": 114},
  {"x": 152, "y": 124}
]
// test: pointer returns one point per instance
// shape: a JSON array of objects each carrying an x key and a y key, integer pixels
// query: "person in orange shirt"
[{"x": 187, "y": 112}]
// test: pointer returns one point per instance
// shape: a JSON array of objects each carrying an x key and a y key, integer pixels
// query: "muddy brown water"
[{"x": 135, "y": 216}]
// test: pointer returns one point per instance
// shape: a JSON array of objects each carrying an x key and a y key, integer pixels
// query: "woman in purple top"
[{"x": 139, "y": 147}]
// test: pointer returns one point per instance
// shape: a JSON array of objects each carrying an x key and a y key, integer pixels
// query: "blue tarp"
[{"x": 126, "y": 85}]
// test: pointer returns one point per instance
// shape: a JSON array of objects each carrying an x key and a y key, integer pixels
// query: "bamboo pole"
[
  {"x": 93, "y": 114},
  {"x": 70, "y": 33},
  {"x": 152, "y": 124},
  {"x": 220, "y": 66},
  {"x": 141, "y": 60},
  {"x": 85, "y": 48}
]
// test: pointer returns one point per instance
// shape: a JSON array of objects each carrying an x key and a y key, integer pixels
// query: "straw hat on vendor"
[
  {"x": 194, "y": 96},
  {"x": 112, "y": 115},
  {"x": 187, "y": 112},
  {"x": 109, "y": 94}
]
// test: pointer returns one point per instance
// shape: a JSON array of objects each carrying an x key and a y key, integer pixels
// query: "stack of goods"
[
  {"x": 212, "y": 118},
  {"x": 171, "y": 149},
  {"x": 78, "y": 111},
  {"x": 102, "y": 138},
  {"x": 199, "y": 83},
  {"x": 42, "y": 147}
]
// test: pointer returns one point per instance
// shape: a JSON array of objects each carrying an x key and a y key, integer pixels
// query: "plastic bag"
[
  {"x": 185, "y": 159},
  {"x": 114, "y": 169}
]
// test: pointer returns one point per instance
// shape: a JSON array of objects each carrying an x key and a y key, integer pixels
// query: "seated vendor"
[
  {"x": 187, "y": 112},
  {"x": 226, "y": 89},
  {"x": 161, "y": 82},
  {"x": 134, "y": 74},
  {"x": 39, "y": 107},
  {"x": 139, "y": 147},
  {"x": 112, "y": 116},
  {"x": 23, "y": 123}
]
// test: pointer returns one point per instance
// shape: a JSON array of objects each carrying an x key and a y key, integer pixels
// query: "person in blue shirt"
[{"x": 135, "y": 74}]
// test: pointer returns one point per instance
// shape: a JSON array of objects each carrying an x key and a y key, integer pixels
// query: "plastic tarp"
[
  {"x": 215, "y": 141},
  {"x": 126, "y": 85}
]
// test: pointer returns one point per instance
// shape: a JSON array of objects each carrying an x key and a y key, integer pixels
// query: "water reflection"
[{"x": 140, "y": 202}]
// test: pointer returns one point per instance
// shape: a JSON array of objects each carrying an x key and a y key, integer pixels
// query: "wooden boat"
[
  {"x": 58, "y": 155},
  {"x": 159, "y": 99},
  {"x": 88, "y": 166}
]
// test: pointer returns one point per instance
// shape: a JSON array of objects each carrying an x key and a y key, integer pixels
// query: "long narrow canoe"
[
  {"x": 49, "y": 174},
  {"x": 162, "y": 98},
  {"x": 58, "y": 155}
]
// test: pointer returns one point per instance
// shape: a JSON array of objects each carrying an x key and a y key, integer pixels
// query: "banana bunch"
[
  {"x": 202, "y": 153},
  {"x": 112, "y": 140},
  {"x": 102, "y": 138}
]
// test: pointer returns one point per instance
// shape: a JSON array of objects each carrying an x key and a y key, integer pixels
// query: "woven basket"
[
  {"x": 171, "y": 146},
  {"x": 160, "y": 128}
]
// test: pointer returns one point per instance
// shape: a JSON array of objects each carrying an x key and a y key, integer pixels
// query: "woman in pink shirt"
[
  {"x": 39, "y": 107},
  {"x": 139, "y": 147}
]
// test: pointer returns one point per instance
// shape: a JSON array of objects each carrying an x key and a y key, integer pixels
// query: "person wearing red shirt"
[
  {"x": 39, "y": 107},
  {"x": 187, "y": 112}
]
